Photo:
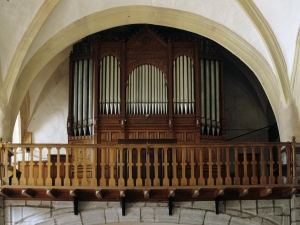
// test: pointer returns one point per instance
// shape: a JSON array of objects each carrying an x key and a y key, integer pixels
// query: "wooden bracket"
[
  {"x": 5, "y": 192},
  {"x": 289, "y": 191},
  {"x": 265, "y": 192},
  {"x": 51, "y": 193},
  {"x": 219, "y": 192},
  {"x": 98, "y": 194},
  {"x": 243, "y": 192},
  {"x": 146, "y": 194},
  {"x": 73, "y": 193},
  {"x": 75, "y": 201},
  {"x": 28, "y": 193},
  {"x": 171, "y": 193},
  {"x": 170, "y": 206},
  {"x": 195, "y": 193}
]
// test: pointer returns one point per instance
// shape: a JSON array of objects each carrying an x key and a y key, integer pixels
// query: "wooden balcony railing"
[{"x": 253, "y": 169}]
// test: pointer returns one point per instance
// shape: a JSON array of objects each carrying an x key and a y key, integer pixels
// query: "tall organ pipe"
[
  {"x": 75, "y": 99},
  {"x": 85, "y": 97},
  {"x": 80, "y": 98},
  {"x": 109, "y": 86},
  {"x": 90, "y": 90},
  {"x": 183, "y": 86}
]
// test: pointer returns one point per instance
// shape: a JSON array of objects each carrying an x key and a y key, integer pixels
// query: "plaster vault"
[{"x": 43, "y": 47}]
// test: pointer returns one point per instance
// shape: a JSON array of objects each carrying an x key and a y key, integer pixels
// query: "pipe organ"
[{"x": 155, "y": 83}]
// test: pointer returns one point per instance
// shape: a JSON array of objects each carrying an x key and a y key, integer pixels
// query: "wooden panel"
[
  {"x": 115, "y": 136},
  {"x": 190, "y": 136},
  {"x": 104, "y": 136},
  {"x": 152, "y": 135}
]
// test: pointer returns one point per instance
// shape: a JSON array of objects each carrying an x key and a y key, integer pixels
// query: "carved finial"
[{"x": 293, "y": 138}]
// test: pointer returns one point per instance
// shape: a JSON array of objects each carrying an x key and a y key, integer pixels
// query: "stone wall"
[{"x": 266, "y": 212}]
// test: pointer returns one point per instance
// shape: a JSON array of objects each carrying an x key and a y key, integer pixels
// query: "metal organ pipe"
[
  {"x": 83, "y": 97},
  {"x": 146, "y": 91},
  {"x": 109, "y": 86},
  {"x": 183, "y": 86},
  {"x": 210, "y": 97}
]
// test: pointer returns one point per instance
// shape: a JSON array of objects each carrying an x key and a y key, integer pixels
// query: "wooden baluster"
[
  {"x": 263, "y": 178},
  {"x": 228, "y": 178},
  {"x": 40, "y": 180},
  {"x": 174, "y": 167},
  {"x": 139, "y": 181},
  {"x": 48, "y": 180},
  {"x": 183, "y": 164},
  {"x": 294, "y": 161},
  {"x": 210, "y": 180},
  {"x": 148, "y": 164},
  {"x": 103, "y": 165},
  {"x": 130, "y": 182},
  {"x": 165, "y": 165},
  {"x": 271, "y": 163},
  {"x": 254, "y": 178},
  {"x": 288, "y": 165},
  {"x": 156, "y": 181},
  {"x": 279, "y": 162},
  {"x": 5, "y": 162},
  {"x": 84, "y": 166},
  {"x": 121, "y": 182},
  {"x": 57, "y": 164},
  {"x": 245, "y": 162},
  {"x": 112, "y": 163},
  {"x": 67, "y": 168},
  {"x": 75, "y": 164},
  {"x": 22, "y": 164},
  {"x": 201, "y": 180},
  {"x": 14, "y": 177},
  {"x": 236, "y": 167},
  {"x": 94, "y": 167},
  {"x": 31, "y": 178},
  {"x": 192, "y": 163},
  {"x": 219, "y": 180}
]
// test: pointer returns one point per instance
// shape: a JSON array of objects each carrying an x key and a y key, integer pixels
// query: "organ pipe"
[
  {"x": 210, "y": 97},
  {"x": 109, "y": 86},
  {"x": 183, "y": 86},
  {"x": 83, "y": 97},
  {"x": 147, "y": 91}
]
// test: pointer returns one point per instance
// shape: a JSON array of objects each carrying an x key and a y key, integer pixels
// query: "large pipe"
[
  {"x": 90, "y": 90},
  {"x": 202, "y": 80},
  {"x": 79, "y": 109},
  {"x": 75, "y": 99},
  {"x": 213, "y": 96},
  {"x": 207, "y": 81},
  {"x": 218, "y": 97},
  {"x": 85, "y": 97}
]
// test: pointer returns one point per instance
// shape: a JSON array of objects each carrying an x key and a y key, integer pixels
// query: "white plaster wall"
[
  {"x": 225, "y": 12},
  {"x": 284, "y": 19},
  {"x": 15, "y": 17},
  {"x": 48, "y": 123}
]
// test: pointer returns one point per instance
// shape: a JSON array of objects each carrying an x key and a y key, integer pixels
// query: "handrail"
[{"x": 141, "y": 165}]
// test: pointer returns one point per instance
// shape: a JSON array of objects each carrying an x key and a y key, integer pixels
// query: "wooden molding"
[
  {"x": 51, "y": 193},
  {"x": 289, "y": 191},
  {"x": 5, "y": 192},
  {"x": 243, "y": 192},
  {"x": 98, "y": 194},
  {"x": 28, "y": 193},
  {"x": 265, "y": 192}
]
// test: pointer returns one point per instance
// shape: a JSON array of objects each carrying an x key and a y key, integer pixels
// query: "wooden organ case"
[{"x": 153, "y": 85}]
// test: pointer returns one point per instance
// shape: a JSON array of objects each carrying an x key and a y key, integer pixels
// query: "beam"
[
  {"x": 243, "y": 192},
  {"x": 28, "y": 193},
  {"x": 289, "y": 191},
  {"x": 73, "y": 193},
  {"x": 123, "y": 204},
  {"x": 146, "y": 194},
  {"x": 195, "y": 193},
  {"x": 5, "y": 192},
  {"x": 51, "y": 193},
  {"x": 265, "y": 192},
  {"x": 98, "y": 194},
  {"x": 217, "y": 202}
]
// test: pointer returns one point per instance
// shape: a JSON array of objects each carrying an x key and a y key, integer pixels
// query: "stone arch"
[{"x": 144, "y": 14}]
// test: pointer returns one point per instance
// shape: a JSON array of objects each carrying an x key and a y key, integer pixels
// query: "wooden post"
[
  {"x": 174, "y": 166},
  {"x": 156, "y": 180},
  {"x": 14, "y": 179},
  {"x": 31, "y": 178},
  {"x": 228, "y": 178},
  {"x": 103, "y": 165},
  {"x": 294, "y": 161},
  {"x": 192, "y": 164},
  {"x": 183, "y": 164},
  {"x": 40, "y": 179},
  {"x": 245, "y": 162},
  {"x": 84, "y": 166},
  {"x": 57, "y": 164},
  {"x": 263, "y": 178},
  {"x": 148, "y": 164},
  {"x": 210, "y": 180},
  {"x": 48, "y": 180},
  {"x": 139, "y": 181},
  {"x": 112, "y": 160},
  {"x": 254, "y": 178},
  {"x": 130, "y": 165},
  {"x": 67, "y": 168},
  {"x": 201, "y": 178},
  {"x": 219, "y": 180},
  {"x": 121, "y": 182}
]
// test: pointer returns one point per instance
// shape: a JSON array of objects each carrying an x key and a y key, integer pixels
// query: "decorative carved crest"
[{"x": 146, "y": 41}]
